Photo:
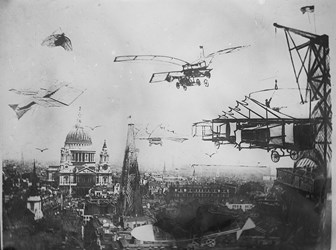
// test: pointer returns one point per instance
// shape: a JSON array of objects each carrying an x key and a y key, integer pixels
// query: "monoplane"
[
  {"x": 191, "y": 74},
  {"x": 156, "y": 235},
  {"x": 58, "y": 95},
  {"x": 157, "y": 138}
]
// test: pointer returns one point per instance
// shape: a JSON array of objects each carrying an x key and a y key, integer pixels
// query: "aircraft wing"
[
  {"x": 21, "y": 109},
  {"x": 249, "y": 224},
  {"x": 226, "y": 51},
  {"x": 143, "y": 138},
  {"x": 42, "y": 92},
  {"x": 164, "y": 76},
  {"x": 177, "y": 139},
  {"x": 48, "y": 102},
  {"x": 166, "y": 59},
  {"x": 52, "y": 89},
  {"x": 64, "y": 96},
  {"x": 24, "y": 91}
]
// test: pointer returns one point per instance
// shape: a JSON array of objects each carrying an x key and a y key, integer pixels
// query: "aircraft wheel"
[
  {"x": 275, "y": 156},
  {"x": 185, "y": 88},
  {"x": 206, "y": 82},
  {"x": 177, "y": 85},
  {"x": 208, "y": 243},
  {"x": 207, "y": 74},
  {"x": 294, "y": 155},
  {"x": 169, "y": 79},
  {"x": 211, "y": 243},
  {"x": 198, "y": 82}
]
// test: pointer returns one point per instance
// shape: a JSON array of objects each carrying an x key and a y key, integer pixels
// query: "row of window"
[
  {"x": 105, "y": 178},
  {"x": 201, "y": 190},
  {"x": 236, "y": 206},
  {"x": 65, "y": 180},
  {"x": 200, "y": 195},
  {"x": 82, "y": 157}
]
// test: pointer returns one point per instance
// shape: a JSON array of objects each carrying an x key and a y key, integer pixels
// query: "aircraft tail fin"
[
  {"x": 202, "y": 52},
  {"x": 249, "y": 224},
  {"x": 13, "y": 106},
  {"x": 19, "y": 112}
]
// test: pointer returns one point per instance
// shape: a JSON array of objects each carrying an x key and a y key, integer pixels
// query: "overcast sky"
[{"x": 101, "y": 29}]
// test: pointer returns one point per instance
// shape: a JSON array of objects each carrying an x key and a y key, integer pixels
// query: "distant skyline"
[{"x": 101, "y": 30}]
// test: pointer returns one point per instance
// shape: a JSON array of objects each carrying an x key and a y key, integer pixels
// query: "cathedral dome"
[{"x": 78, "y": 135}]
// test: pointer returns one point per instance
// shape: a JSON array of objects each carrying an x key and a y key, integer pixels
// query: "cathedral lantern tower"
[{"x": 104, "y": 156}]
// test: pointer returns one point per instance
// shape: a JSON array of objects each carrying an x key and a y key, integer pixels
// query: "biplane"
[
  {"x": 191, "y": 74},
  {"x": 58, "y": 95},
  {"x": 253, "y": 124}
]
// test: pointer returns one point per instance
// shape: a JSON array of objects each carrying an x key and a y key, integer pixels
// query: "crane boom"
[{"x": 321, "y": 40}]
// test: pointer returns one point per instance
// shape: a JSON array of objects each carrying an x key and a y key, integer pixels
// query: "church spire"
[
  {"x": 34, "y": 203},
  {"x": 33, "y": 189},
  {"x": 164, "y": 169}
]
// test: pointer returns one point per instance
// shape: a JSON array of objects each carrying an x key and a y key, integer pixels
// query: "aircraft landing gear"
[
  {"x": 185, "y": 88},
  {"x": 208, "y": 242},
  {"x": 177, "y": 85},
  {"x": 198, "y": 82},
  {"x": 293, "y": 155},
  {"x": 169, "y": 79},
  {"x": 275, "y": 156},
  {"x": 206, "y": 82}
]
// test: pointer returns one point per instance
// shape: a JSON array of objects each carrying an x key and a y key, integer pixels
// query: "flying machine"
[
  {"x": 154, "y": 235},
  {"x": 286, "y": 130},
  {"x": 253, "y": 124},
  {"x": 191, "y": 74},
  {"x": 58, "y": 95},
  {"x": 56, "y": 40},
  {"x": 158, "y": 138}
]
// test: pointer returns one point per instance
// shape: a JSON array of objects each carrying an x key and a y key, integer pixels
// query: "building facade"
[
  {"x": 78, "y": 171},
  {"x": 218, "y": 192}
]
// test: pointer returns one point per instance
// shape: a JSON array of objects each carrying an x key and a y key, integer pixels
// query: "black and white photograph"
[{"x": 171, "y": 124}]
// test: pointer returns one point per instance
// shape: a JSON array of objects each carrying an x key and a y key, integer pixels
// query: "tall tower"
[
  {"x": 104, "y": 171},
  {"x": 34, "y": 202},
  {"x": 164, "y": 172},
  {"x": 130, "y": 196}
]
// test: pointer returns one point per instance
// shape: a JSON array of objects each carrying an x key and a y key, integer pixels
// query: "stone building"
[
  {"x": 218, "y": 192},
  {"x": 78, "y": 171}
]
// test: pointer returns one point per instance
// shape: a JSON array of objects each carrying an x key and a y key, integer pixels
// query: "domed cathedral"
[{"x": 78, "y": 170}]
